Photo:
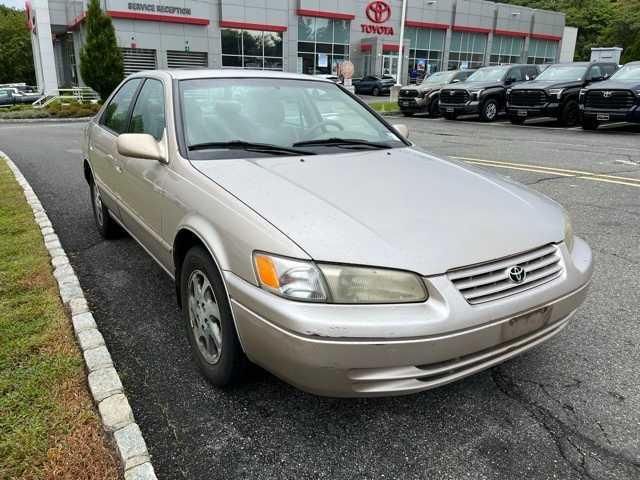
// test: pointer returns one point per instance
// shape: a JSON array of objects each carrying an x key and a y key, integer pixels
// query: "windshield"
[
  {"x": 564, "y": 73},
  {"x": 277, "y": 112},
  {"x": 439, "y": 77},
  {"x": 628, "y": 72},
  {"x": 490, "y": 74}
]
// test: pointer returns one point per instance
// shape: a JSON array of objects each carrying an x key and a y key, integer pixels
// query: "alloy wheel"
[
  {"x": 491, "y": 110},
  {"x": 97, "y": 205},
  {"x": 204, "y": 317}
]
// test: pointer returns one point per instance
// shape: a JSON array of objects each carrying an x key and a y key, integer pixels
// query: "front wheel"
[
  {"x": 208, "y": 321},
  {"x": 434, "y": 108},
  {"x": 376, "y": 92},
  {"x": 570, "y": 114},
  {"x": 489, "y": 110},
  {"x": 106, "y": 225},
  {"x": 589, "y": 124}
]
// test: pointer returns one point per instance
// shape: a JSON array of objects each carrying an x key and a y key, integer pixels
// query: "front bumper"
[
  {"x": 413, "y": 104},
  {"x": 379, "y": 350},
  {"x": 469, "y": 108},
  {"x": 632, "y": 115},
  {"x": 546, "y": 110}
]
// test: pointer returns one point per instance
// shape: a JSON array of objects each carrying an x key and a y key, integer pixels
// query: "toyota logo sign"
[{"x": 378, "y": 11}]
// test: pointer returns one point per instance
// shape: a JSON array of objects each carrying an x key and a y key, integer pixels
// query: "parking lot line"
[{"x": 562, "y": 172}]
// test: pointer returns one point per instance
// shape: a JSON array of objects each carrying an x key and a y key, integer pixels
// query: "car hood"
[
  {"x": 474, "y": 85},
  {"x": 397, "y": 208},
  {"x": 425, "y": 88},
  {"x": 546, "y": 84},
  {"x": 615, "y": 85}
]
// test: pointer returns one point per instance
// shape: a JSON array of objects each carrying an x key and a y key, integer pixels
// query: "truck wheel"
[
  {"x": 570, "y": 114},
  {"x": 434, "y": 108},
  {"x": 589, "y": 123},
  {"x": 489, "y": 110},
  {"x": 517, "y": 120}
]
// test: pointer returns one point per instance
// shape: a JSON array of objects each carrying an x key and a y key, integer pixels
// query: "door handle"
[
  {"x": 109, "y": 157},
  {"x": 118, "y": 168}
]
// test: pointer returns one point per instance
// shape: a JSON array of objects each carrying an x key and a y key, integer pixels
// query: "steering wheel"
[{"x": 322, "y": 125}]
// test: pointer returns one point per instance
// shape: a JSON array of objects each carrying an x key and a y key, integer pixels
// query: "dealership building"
[{"x": 307, "y": 36}]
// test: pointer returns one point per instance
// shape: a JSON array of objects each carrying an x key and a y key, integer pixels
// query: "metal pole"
[{"x": 401, "y": 47}]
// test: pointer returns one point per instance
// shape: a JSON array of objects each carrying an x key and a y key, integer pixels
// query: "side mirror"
[
  {"x": 597, "y": 79},
  {"x": 402, "y": 130},
  {"x": 139, "y": 145},
  {"x": 510, "y": 80}
]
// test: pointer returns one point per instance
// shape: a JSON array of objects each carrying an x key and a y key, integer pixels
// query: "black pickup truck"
[
  {"x": 485, "y": 92},
  {"x": 617, "y": 99},
  {"x": 555, "y": 92}
]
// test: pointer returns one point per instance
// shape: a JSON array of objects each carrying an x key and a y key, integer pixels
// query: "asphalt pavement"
[{"x": 568, "y": 409}]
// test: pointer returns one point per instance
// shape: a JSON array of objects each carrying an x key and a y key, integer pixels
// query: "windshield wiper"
[
  {"x": 340, "y": 142},
  {"x": 250, "y": 146}
]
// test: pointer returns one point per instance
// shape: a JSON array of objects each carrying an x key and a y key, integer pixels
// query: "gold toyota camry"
[{"x": 306, "y": 234}]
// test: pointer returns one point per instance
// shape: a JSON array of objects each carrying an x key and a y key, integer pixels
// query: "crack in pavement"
[{"x": 563, "y": 434}]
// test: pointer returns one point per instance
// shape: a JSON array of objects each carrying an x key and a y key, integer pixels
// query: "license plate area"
[
  {"x": 525, "y": 324},
  {"x": 523, "y": 113},
  {"x": 449, "y": 109},
  {"x": 602, "y": 116}
]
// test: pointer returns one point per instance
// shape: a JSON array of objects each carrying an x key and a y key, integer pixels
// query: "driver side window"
[{"x": 116, "y": 115}]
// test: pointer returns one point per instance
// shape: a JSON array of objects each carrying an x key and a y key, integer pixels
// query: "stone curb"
[
  {"x": 45, "y": 120},
  {"x": 104, "y": 382}
]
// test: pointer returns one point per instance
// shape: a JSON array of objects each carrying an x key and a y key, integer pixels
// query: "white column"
[{"x": 45, "y": 61}]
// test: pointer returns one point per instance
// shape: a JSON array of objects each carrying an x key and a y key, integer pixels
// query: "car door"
[
  {"x": 367, "y": 84},
  {"x": 143, "y": 180},
  {"x": 106, "y": 166}
]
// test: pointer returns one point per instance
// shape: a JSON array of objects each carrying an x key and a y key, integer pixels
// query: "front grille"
[
  {"x": 454, "y": 96},
  {"x": 528, "y": 98},
  {"x": 408, "y": 93},
  {"x": 610, "y": 99},
  {"x": 490, "y": 281}
]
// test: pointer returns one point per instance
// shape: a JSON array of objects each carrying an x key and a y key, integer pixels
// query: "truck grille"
[
  {"x": 490, "y": 281},
  {"x": 454, "y": 96},
  {"x": 408, "y": 93},
  {"x": 528, "y": 98},
  {"x": 610, "y": 99}
]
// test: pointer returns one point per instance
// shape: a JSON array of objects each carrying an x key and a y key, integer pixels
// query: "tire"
[
  {"x": 589, "y": 124},
  {"x": 434, "y": 107},
  {"x": 570, "y": 114},
  {"x": 375, "y": 92},
  {"x": 489, "y": 110},
  {"x": 407, "y": 114},
  {"x": 208, "y": 322},
  {"x": 449, "y": 116},
  {"x": 106, "y": 225},
  {"x": 517, "y": 120}
]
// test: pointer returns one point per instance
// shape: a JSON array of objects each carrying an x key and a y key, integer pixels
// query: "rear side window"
[
  {"x": 148, "y": 113},
  {"x": 116, "y": 115}
]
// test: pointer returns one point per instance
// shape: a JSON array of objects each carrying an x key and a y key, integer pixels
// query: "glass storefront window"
[
  {"x": 506, "y": 50},
  {"x": 542, "y": 51},
  {"x": 252, "y": 49},
  {"x": 425, "y": 52},
  {"x": 467, "y": 50},
  {"x": 323, "y": 43}
]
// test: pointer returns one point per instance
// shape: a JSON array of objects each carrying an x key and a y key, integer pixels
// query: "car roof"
[{"x": 189, "y": 74}]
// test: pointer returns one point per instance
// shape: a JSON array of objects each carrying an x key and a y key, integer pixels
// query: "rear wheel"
[
  {"x": 570, "y": 114},
  {"x": 589, "y": 123},
  {"x": 208, "y": 321},
  {"x": 106, "y": 225},
  {"x": 489, "y": 110},
  {"x": 517, "y": 120},
  {"x": 376, "y": 91}
]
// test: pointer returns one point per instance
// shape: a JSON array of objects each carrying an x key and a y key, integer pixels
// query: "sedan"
[
  {"x": 307, "y": 235},
  {"x": 374, "y": 85}
]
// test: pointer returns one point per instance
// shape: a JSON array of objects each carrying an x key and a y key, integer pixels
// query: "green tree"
[
  {"x": 101, "y": 64},
  {"x": 16, "y": 55},
  {"x": 624, "y": 31}
]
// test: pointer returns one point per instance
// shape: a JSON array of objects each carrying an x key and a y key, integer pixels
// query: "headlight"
[
  {"x": 509, "y": 91},
  {"x": 306, "y": 281},
  {"x": 557, "y": 92},
  {"x": 583, "y": 91},
  {"x": 476, "y": 93},
  {"x": 568, "y": 232}
]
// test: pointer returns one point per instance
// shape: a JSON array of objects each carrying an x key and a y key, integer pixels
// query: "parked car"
[
  {"x": 485, "y": 92},
  {"x": 304, "y": 244},
  {"x": 423, "y": 98},
  {"x": 14, "y": 96},
  {"x": 616, "y": 99},
  {"x": 555, "y": 92},
  {"x": 373, "y": 85}
]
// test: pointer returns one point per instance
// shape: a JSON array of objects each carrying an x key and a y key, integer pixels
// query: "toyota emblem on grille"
[
  {"x": 607, "y": 94},
  {"x": 517, "y": 274}
]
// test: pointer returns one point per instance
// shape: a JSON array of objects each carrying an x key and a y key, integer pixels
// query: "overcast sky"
[{"x": 19, "y": 4}]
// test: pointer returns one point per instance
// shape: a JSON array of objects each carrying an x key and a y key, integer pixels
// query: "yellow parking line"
[
  {"x": 599, "y": 179},
  {"x": 548, "y": 169},
  {"x": 510, "y": 167}
]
